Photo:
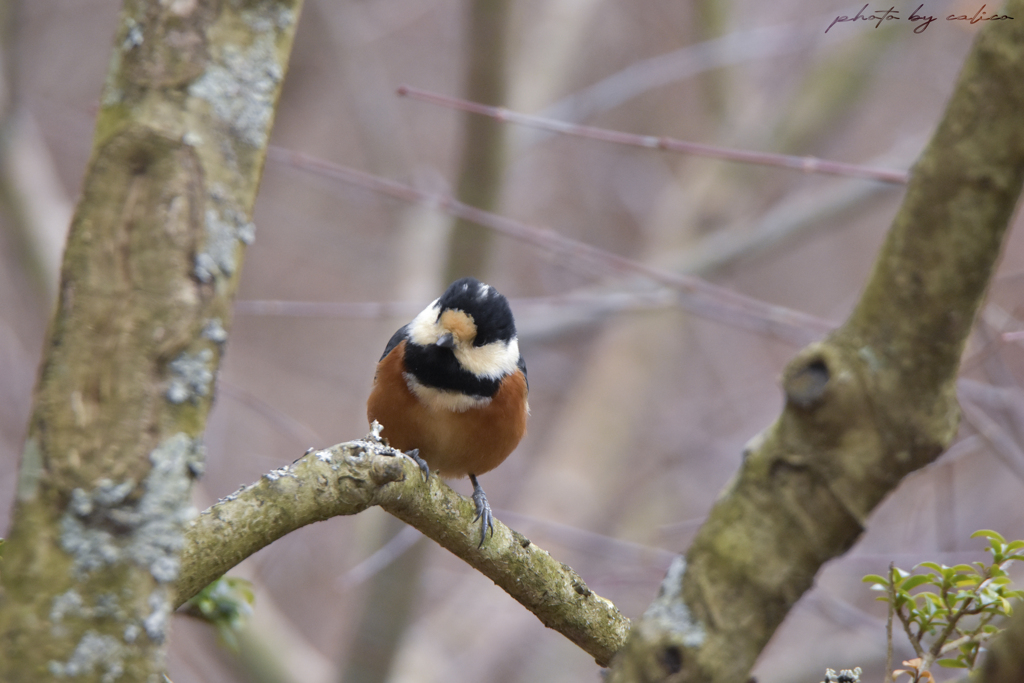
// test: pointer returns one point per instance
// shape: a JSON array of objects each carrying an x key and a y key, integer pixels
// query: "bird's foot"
[
  {"x": 483, "y": 510},
  {"x": 414, "y": 455}
]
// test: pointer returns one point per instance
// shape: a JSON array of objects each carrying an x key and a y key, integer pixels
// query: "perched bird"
[{"x": 450, "y": 389}]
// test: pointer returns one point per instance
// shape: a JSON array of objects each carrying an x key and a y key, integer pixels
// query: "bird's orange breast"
[{"x": 472, "y": 441}]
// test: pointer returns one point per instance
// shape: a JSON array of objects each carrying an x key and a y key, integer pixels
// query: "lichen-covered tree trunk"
[{"x": 126, "y": 382}]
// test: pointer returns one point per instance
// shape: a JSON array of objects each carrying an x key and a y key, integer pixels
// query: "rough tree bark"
[
  {"x": 348, "y": 478},
  {"x": 124, "y": 389},
  {"x": 866, "y": 406},
  {"x": 1004, "y": 662}
]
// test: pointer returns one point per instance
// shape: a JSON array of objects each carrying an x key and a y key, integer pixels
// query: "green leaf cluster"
[
  {"x": 953, "y": 607},
  {"x": 227, "y": 604}
]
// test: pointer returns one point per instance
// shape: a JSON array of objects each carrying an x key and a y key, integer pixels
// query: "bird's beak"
[{"x": 446, "y": 341}]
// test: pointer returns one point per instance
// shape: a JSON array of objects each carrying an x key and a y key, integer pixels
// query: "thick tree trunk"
[{"x": 126, "y": 382}]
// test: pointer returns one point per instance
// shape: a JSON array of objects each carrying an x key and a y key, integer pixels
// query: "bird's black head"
[
  {"x": 468, "y": 332},
  {"x": 488, "y": 309}
]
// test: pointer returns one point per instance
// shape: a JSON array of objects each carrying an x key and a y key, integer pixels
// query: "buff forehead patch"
[{"x": 460, "y": 324}]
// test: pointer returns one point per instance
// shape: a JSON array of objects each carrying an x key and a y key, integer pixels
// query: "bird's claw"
[
  {"x": 483, "y": 511},
  {"x": 414, "y": 455}
]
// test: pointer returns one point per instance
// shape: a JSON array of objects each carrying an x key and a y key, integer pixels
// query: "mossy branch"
[
  {"x": 866, "y": 406},
  {"x": 1004, "y": 662},
  {"x": 351, "y": 477}
]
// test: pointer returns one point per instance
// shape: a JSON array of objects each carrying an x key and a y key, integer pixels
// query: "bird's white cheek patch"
[
  {"x": 423, "y": 328},
  {"x": 442, "y": 399},
  {"x": 490, "y": 361}
]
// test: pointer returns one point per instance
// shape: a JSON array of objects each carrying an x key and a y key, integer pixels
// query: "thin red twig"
[
  {"x": 805, "y": 164},
  {"x": 695, "y": 295}
]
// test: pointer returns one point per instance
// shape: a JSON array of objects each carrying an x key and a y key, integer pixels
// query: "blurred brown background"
[{"x": 639, "y": 410}]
